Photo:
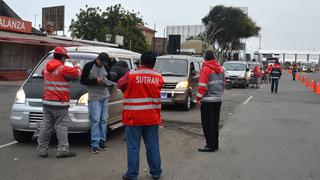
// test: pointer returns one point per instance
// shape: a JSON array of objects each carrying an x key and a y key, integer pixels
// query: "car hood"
[
  {"x": 235, "y": 73},
  {"x": 34, "y": 88},
  {"x": 173, "y": 79}
]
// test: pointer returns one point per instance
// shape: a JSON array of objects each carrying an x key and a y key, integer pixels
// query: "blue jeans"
[
  {"x": 274, "y": 85},
  {"x": 98, "y": 115},
  {"x": 151, "y": 140}
]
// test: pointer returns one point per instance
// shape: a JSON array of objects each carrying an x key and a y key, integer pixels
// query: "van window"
[
  {"x": 82, "y": 58},
  {"x": 234, "y": 66},
  {"x": 197, "y": 66},
  {"x": 172, "y": 67}
]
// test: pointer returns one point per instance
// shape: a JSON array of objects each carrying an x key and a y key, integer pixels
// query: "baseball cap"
[{"x": 61, "y": 50}]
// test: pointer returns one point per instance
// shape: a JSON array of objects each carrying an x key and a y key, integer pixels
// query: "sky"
[{"x": 286, "y": 24}]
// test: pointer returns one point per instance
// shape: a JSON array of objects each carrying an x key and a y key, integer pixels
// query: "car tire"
[
  {"x": 188, "y": 103},
  {"x": 22, "y": 136}
]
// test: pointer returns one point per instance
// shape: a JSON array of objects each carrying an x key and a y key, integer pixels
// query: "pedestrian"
[
  {"x": 275, "y": 74},
  {"x": 56, "y": 101},
  {"x": 210, "y": 90},
  {"x": 294, "y": 71},
  {"x": 141, "y": 115},
  {"x": 95, "y": 75},
  {"x": 257, "y": 75},
  {"x": 269, "y": 69},
  {"x": 118, "y": 70}
]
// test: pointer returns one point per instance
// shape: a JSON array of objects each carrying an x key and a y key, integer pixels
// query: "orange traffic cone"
[
  {"x": 297, "y": 77},
  {"x": 317, "y": 91},
  {"x": 306, "y": 83},
  {"x": 302, "y": 79},
  {"x": 312, "y": 85}
]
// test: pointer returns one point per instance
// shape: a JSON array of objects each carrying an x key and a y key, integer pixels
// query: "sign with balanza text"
[{"x": 17, "y": 25}]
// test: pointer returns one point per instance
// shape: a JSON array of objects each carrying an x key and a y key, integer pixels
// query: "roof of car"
[
  {"x": 112, "y": 52},
  {"x": 179, "y": 57}
]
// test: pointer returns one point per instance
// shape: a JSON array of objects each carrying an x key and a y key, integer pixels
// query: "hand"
[
  {"x": 198, "y": 104},
  {"x": 100, "y": 81},
  {"x": 74, "y": 62}
]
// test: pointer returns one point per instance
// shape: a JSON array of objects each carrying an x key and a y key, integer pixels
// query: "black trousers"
[
  {"x": 293, "y": 76},
  {"x": 274, "y": 85},
  {"x": 210, "y": 117}
]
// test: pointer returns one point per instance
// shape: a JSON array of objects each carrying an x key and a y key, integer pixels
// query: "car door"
[{"x": 194, "y": 77}]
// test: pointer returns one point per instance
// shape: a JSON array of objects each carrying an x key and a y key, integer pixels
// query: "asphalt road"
[{"x": 263, "y": 136}]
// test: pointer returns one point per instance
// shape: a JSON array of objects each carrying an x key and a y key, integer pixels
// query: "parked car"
[
  {"x": 181, "y": 77},
  {"x": 308, "y": 67},
  {"x": 237, "y": 72},
  {"x": 27, "y": 112}
]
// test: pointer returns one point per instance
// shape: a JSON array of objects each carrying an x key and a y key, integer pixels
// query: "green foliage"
[
  {"x": 93, "y": 23},
  {"x": 226, "y": 25}
]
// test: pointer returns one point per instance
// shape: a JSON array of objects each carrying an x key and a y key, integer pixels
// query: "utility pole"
[{"x": 35, "y": 21}]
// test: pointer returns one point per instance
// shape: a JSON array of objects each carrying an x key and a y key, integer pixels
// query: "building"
[
  {"x": 21, "y": 46},
  {"x": 149, "y": 34},
  {"x": 159, "y": 45},
  {"x": 186, "y": 31}
]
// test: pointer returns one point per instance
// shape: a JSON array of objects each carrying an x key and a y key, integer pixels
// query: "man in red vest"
[
  {"x": 141, "y": 115},
  {"x": 56, "y": 101}
]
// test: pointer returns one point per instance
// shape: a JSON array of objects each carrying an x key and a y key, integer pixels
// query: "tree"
[
  {"x": 227, "y": 25},
  {"x": 93, "y": 23}
]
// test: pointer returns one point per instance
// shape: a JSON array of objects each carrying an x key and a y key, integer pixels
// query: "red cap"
[{"x": 61, "y": 50}]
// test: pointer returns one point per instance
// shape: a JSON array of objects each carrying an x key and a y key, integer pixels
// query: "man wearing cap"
[
  {"x": 56, "y": 101},
  {"x": 95, "y": 75}
]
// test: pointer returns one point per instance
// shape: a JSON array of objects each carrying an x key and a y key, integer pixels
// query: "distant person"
[
  {"x": 96, "y": 76},
  {"x": 257, "y": 76},
  {"x": 56, "y": 102},
  {"x": 294, "y": 71},
  {"x": 141, "y": 115},
  {"x": 118, "y": 70},
  {"x": 209, "y": 97},
  {"x": 275, "y": 74},
  {"x": 269, "y": 69}
]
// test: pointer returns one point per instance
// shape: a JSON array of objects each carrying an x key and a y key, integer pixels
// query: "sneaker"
[
  {"x": 95, "y": 150},
  {"x": 155, "y": 177},
  {"x": 102, "y": 146},
  {"x": 43, "y": 154},
  {"x": 66, "y": 154}
]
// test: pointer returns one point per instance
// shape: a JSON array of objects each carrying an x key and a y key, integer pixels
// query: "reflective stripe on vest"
[
  {"x": 57, "y": 83},
  {"x": 53, "y": 88},
  {"x": 217, "y": 99},
  {"x": 216, "y": 82},
  {"x": 203, "y": 84},
  {"x": 55, "y": 103},
  {"x": 141, "y": 107},
  {"x": 199, "y": 95},
  {"x": 142, "y": 100}
]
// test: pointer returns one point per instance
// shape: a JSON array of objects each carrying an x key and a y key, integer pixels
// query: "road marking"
[
  {"x": 249, "y": 98},
  {"x": 8, "y": 144}
]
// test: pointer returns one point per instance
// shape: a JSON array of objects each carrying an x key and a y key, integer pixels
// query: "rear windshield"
[
  {"x": 81, "y": 58},
  {"x": 172, "y": 67},
  {"x": 234, "y": 67}
]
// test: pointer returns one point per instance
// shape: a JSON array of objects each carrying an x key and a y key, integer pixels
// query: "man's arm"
[
  {"x": 203, "y": 83},
  {"x": 71, "y": 73},
  {"x": 123, "y": 82}
]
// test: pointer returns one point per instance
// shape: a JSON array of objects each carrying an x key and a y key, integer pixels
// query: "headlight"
[
  {"x": 20, "y": 97},
  {"x": 182, "y": 84},
  {"x": 83, "y": 100}
]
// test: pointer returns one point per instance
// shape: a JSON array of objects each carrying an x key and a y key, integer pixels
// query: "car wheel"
[
  {"x": 187, "y": 105},
  {"x": 22, "y": 136}
]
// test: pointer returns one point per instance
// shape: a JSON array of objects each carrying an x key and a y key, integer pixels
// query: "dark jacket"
[
  {"x": 85, "y": 80},
  {"x": 276, "y": 72},
  {"x": 118, "y": 70}
]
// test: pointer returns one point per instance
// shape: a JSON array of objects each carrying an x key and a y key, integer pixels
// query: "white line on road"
[
  {"x": 249, "y": 98},
  {"x": 8, "y": 144}
]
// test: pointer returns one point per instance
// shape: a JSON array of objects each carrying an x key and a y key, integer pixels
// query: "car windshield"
[
  {"x": 234, "y": 67},
  {"x": 81, "y": 58},
  {"x": 172, "y": 67},
  {"x": 251, "y": 66}
]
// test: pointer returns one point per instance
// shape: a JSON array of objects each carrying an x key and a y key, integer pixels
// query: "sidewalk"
[{"x": 273, "y": 137}]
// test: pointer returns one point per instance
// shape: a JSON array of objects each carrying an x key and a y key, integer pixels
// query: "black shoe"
[
  {"x": 95, "y": 150},
  {"x": 43, "y": 155},
  {"x": 67, "y": 154},
  {"x": 155, "y": 177},
  {"x": 102, "y": 146},
  {"x": 124, "y": 177},
  {"x": 207, "y": 149}
]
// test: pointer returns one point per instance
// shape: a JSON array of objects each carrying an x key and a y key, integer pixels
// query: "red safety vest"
[
  {"x": 142, "y": 100},
  {"x": 56, "y": 83}
]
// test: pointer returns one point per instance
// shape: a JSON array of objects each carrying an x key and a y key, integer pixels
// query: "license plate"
[
  {"x": 39, "y": 125},
  {"x": 164, "y": 95}
]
